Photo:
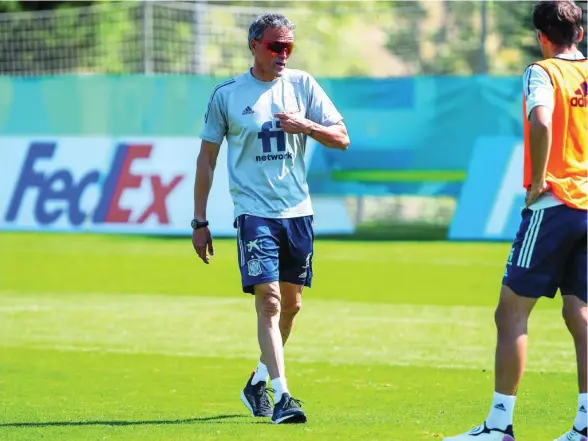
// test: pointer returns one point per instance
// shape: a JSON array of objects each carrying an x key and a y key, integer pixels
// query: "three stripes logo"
[
  {"x": 580, "y": 99},
  {"x": 248, "y": 111},
  {"x": 528, "y": 245}
]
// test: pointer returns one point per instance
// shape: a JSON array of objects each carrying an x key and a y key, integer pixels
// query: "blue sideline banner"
[
  {"x": 490, "y": 204},
  {"x": 424, "y": 124}
]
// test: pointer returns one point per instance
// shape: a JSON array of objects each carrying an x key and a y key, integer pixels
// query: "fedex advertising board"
[{"x": 134, "y": 185}]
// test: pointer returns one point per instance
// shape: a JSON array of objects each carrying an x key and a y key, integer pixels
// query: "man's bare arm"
[
  {"x": 334, "y": 136},
  {"x": 205, "y": 165},
  {"x": 540, "y": 132}
]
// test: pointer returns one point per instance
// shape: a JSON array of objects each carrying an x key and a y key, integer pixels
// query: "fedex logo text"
[{"x": 60, "y": 189}]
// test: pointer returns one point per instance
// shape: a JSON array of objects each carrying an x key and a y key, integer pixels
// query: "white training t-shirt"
[{"x": 267, "y": 172}]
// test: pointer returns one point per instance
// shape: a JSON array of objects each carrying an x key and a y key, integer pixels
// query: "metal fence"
[{"x": 334, "y": 39}]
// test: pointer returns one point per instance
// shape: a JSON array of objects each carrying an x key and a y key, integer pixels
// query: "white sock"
[
  {"x": 500, "y": 416},
  {"x": 260, "y": 373},
  {"x": 581, "y": 417},
  {"x": 280, "y": 386}
]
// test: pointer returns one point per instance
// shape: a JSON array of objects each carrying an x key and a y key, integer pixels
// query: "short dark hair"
[
  {"x": 262, "y": 22},
  {"x": 560, "y": 21}
]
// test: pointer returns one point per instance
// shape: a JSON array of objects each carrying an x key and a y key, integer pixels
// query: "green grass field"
[{"x": 132, "y": 338}]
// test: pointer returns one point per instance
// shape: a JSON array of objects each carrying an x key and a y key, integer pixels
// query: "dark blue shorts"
[
  {"x": 271, "y": 250},
  {"x": 549, "y": 253}
]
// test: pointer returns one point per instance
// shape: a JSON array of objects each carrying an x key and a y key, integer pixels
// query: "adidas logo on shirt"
[
  {"x": 248, "y": 111},
  {"x": 580, "y": 99}
]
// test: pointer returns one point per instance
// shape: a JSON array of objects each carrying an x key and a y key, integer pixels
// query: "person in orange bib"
[{"x": 549, "y": 251}]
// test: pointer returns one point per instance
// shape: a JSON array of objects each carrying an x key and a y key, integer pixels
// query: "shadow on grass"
[{"x": 211, "y": 419}]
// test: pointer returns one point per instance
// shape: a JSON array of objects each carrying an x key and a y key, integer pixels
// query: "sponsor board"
[{"x": 120, "y": 185}]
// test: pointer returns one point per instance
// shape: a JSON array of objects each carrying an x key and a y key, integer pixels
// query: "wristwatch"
[{"x": 198, "y": 224}]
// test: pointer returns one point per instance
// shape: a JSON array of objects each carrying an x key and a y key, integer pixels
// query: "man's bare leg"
[
  {"x": 575, "y": 314},
  {"x": 291, "y": 300},
  {"x": 511, "y": 317},
  {"x": 268, "y": 307}
]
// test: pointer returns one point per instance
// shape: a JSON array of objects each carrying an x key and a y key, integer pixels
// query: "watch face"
[{"x": 197, "y": 224}]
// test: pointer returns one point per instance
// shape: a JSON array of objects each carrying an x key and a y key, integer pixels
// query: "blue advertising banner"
[
  {"x": 412, "y": 135},
  {"x": 492, "y": 196}
]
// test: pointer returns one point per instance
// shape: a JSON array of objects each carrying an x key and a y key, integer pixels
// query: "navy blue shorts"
[
  {"x": 272, "y": 250},
  {"x": 549, "y": 253}
]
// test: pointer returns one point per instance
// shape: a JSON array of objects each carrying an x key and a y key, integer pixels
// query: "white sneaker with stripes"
[
  {"x": 573, "y": 435},
  {"x": 483, "y": 433}
]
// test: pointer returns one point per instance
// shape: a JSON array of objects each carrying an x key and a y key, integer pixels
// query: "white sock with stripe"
[
  {"x": 500, "y": 416},
  {"x": 260, "y": 374},
  {"x": 581, "y": 417},
  {"x": 280, "y": 386}
]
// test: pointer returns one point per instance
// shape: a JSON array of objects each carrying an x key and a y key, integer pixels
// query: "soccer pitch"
[{"x": 133, "y": 338}]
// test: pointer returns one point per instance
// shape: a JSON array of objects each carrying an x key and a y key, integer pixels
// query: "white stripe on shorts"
[
  {"x": 240, "y": 244},
  {"x": 525, "y": 243},
  {"x": 524, "y": 260},
  {"x": 527, "y": 261}
]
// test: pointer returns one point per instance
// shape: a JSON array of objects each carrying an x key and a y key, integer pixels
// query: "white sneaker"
[
  {"x": 572, "y": 435},
  {"x": 483, "y": 433}
]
